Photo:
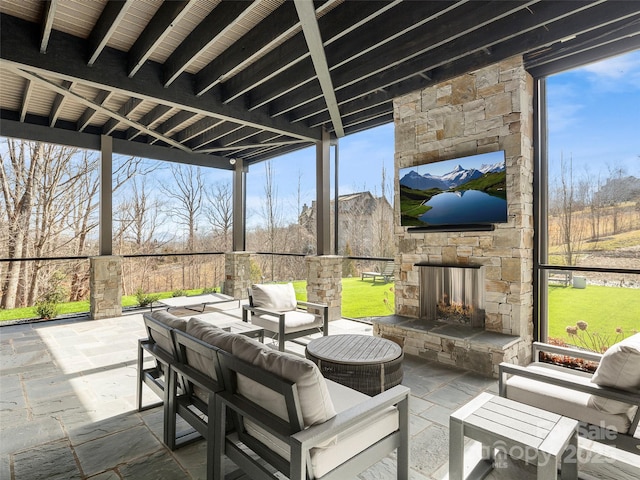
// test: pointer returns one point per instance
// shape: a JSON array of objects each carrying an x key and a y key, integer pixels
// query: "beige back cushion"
[
  {"x": 280, "y": 297},
  {"x": 315, "y": 402},
  {"x": 171, "y": 321},
  {"x": 620, "y": 365},
  {"x": 618, "y": 368}
]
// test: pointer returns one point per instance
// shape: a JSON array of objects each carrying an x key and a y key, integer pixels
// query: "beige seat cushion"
[
  {"x": 563, "y": 401},
  {"x": 279, "y": 297},
  {"x": 293, "y": 321},
  {"x": 348, "y": 443}
]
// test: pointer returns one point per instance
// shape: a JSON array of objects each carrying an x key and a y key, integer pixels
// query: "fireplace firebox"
[{"x": 452, "y": 294}]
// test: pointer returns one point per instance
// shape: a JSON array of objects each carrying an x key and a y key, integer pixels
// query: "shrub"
[
  {"x": 47, "y": 306},
  {"x": 46, "y": 309},
  {"x": 209, "y": 290},
  {"x": 146, "y": 299},
  {"x": 178, "y": 293}
]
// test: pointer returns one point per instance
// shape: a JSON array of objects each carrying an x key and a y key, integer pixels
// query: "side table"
[
  {"x": 365, "y": 363},
  {"x": 523, "y": 432}
]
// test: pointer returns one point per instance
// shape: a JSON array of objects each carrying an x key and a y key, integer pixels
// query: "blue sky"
[{"x": 594, "y": 117}]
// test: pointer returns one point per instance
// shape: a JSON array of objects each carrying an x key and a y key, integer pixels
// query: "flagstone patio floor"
[{"x": 68, "y": 411}]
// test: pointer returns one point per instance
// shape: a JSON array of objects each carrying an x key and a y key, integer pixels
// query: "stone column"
[
  {"x": 324, "y": 282},
  {"x": 237, "y": 271},
  {"x": 105, "y": 285}
]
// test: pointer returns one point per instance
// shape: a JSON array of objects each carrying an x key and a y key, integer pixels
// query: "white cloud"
[{"x": 614, "y": 74}]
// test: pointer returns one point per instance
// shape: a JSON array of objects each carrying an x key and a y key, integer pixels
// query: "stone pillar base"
[
  {"x": 237, "y": 271},
  {"x": 324, "y": 283},
  {"x": 105, "y": 286}
]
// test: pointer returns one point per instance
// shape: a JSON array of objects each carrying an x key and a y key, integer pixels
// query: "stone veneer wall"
[
  {"x": 105, "y": 281},
  {"x": 237, "y": 271},
  {"x": 324, "y": 282},
  {"x": 483, "y": 111}
]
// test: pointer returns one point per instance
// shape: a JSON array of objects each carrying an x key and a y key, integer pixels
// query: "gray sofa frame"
[{"x": 291, "y": 430}]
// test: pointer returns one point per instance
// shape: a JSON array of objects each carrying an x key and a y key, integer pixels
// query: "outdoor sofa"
[
  {"x": 607, "y": 402},
  {"x": 273, "y": 411}
]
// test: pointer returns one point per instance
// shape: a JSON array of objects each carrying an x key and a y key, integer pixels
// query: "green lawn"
[
  {"x": 360, "y": 298},
  {"x": 603, "y": 308},
  {"x": 76, "y": 307}
]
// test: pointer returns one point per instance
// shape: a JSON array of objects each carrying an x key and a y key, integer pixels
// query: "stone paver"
[{"x": 67, "y": 408}]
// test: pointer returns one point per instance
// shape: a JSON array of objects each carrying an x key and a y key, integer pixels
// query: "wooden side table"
[
  {"x": 365, "y": 363},
  {"x": 523, "y": 432}
]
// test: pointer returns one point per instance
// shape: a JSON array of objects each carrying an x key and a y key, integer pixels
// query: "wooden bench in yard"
[
  {"x": 387, "y": 273},
  {"x": 560, "y": 277}
]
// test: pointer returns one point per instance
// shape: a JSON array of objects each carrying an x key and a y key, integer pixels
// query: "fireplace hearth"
[{"x": 452, "y": 294}]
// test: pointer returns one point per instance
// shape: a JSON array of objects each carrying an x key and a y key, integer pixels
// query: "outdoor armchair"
[
  {"x": 608, "y": 401},
  {"x": 274, "y": 307}
]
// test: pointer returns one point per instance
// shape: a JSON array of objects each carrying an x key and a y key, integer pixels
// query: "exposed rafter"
[
  {"x": 204, "y": 35},
  {"x": 91, "y": 104},
  {"x": 156, "y": 31},
  {"x": 247, "y": 80},
  {"x": 48, "y": 14},
  {"x": 111, "y": 17},
  {"x": 311, "y": 32}
]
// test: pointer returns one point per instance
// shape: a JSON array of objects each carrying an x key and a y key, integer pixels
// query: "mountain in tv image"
[{"x": 461, "y": 196}]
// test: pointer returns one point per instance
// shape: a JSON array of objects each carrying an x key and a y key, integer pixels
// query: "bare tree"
[
  {"x": 567, "y": 208},
  {"x": 18, "y": 177},
  {"x": 186, "y": 195},
  {"x": 271, "y": 212},
  {"x": 219, "y": 211}
]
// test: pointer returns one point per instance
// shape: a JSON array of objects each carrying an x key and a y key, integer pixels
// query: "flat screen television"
[{"x": 458, "y": 193}]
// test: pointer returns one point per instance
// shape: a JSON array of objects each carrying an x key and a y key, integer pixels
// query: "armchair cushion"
[
  {"x": 618, "y": 368},
  {"x": 293, "y": 321},
  {"x": 563, "y": 401},
  {"x": 279, "y": 297}
]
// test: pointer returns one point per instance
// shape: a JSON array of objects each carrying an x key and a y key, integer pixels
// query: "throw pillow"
[{"x": 279, "y": 297}]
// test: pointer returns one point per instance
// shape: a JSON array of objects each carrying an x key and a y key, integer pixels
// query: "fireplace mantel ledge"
[
  {"x": 445, "y": 265},
  {"x": 469, "y": 348}
]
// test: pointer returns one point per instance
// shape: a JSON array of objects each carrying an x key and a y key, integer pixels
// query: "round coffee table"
[{"x": 368, "y": 364}]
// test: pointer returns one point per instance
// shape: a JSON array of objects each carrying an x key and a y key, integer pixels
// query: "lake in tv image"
[{"x": 466, "y": 190}]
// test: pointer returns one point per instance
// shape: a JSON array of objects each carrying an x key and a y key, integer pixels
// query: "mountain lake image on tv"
[{"x": 462, "y": 191}]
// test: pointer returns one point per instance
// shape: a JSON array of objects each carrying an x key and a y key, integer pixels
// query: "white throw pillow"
[
  {"x": 279, "y": 297},
  {"x": 618, "y": 368},
  {"x": 620, "y": 365}
]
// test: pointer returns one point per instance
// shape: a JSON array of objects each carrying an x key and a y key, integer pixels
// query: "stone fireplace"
[
  {"x": 452, "y": 294},
  {"x": 483, "y": 111}
]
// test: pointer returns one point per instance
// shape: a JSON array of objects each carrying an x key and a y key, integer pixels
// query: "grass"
[
  {"x": 359, "y": 298},
  {"x": 76, "y": 307},
  {"x": 603, "y": 308}
]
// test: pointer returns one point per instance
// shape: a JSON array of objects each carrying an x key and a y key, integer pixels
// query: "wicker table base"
[{"x": 368, "y": 364}]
